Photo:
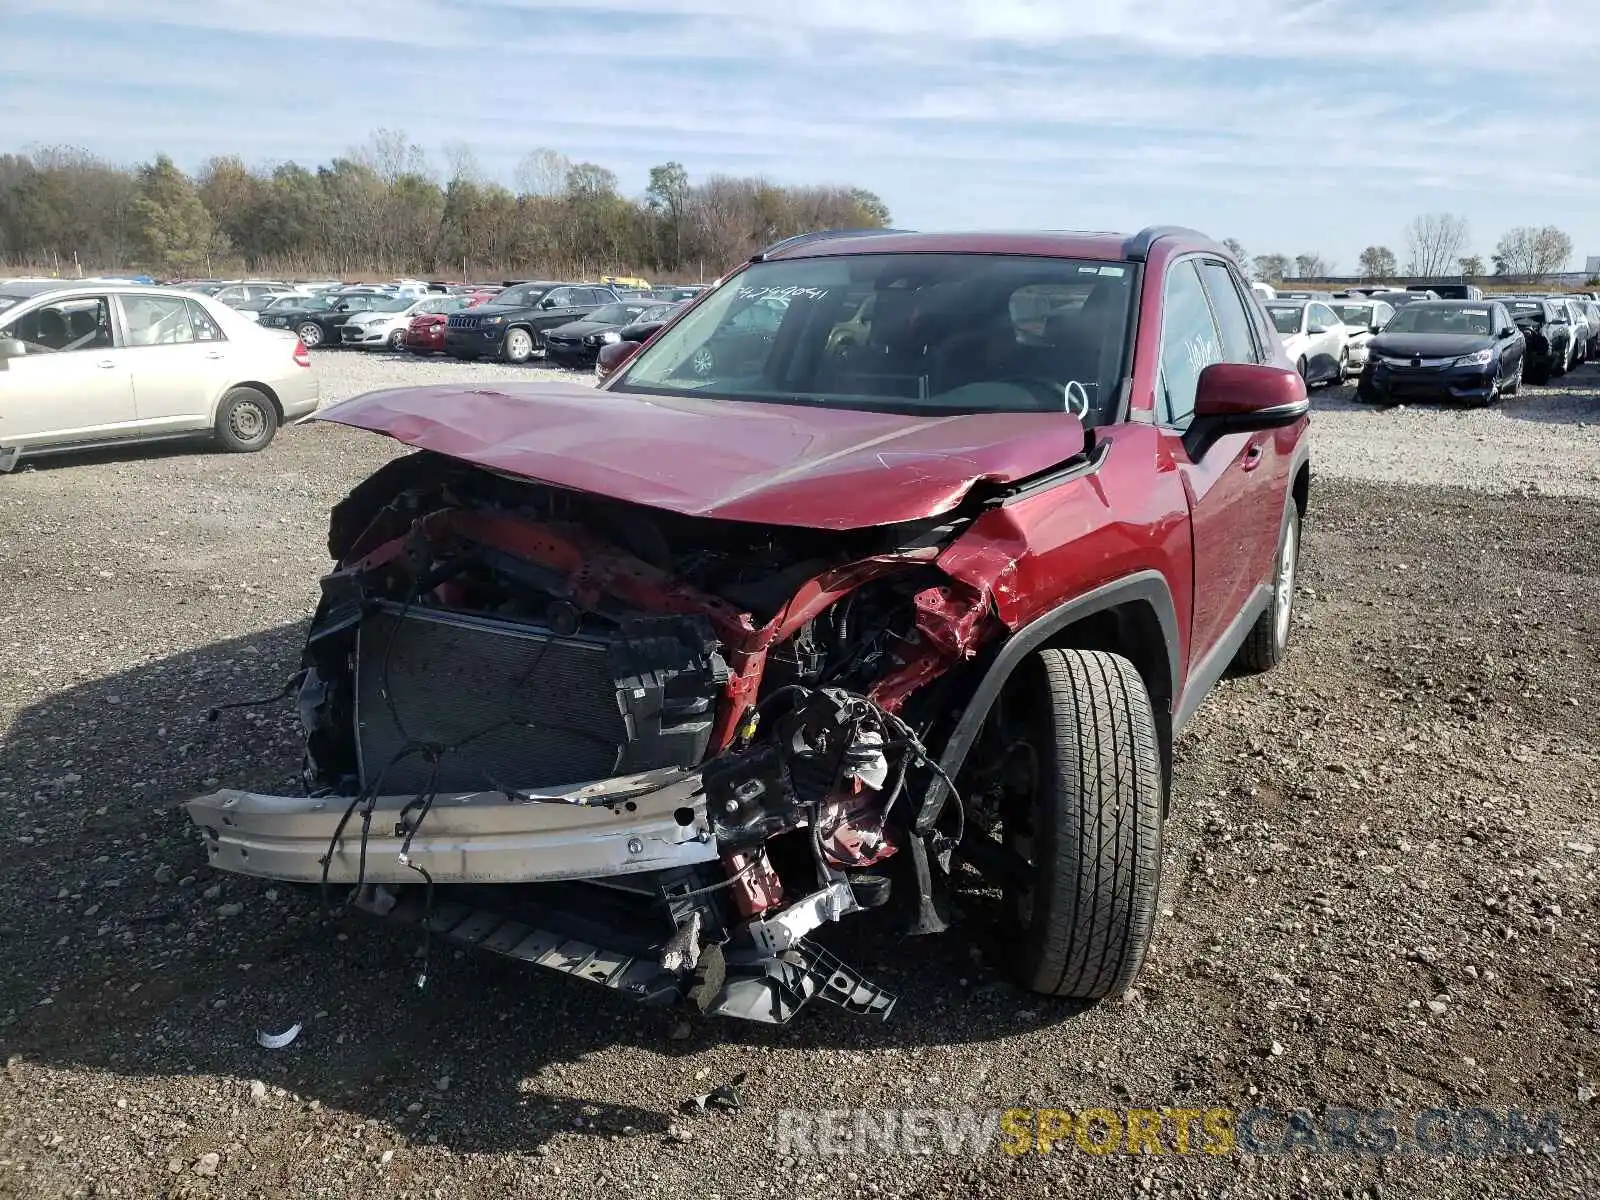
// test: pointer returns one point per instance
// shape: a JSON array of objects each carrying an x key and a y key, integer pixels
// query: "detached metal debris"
[
  {"x": 277, "y": 1041},
  {"x": 724, "y": 1096}
]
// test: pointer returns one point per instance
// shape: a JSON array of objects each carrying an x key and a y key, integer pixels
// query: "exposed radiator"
[{"x": 514, "y": 704}]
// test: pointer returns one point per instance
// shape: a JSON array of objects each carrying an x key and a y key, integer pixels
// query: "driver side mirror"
[
  {"x": 1243, "y": 398},
  {"x": 547, "y": 302},
  {"x": 1316, "y": 329},
  {"x": 613, "y": 355}
]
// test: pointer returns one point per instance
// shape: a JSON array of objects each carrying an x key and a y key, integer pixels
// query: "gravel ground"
[{"x": 1381, "y": 877}]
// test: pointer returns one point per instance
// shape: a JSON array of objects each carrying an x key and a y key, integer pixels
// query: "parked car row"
[
  {"x": 1416, "y": 343},
  {"x": 565, "y": 322}
]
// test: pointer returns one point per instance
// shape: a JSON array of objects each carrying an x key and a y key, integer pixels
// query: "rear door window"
[{"x": 157, "y": 320}]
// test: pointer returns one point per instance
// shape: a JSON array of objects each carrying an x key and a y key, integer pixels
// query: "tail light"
[{"x": 302, "y": 356}]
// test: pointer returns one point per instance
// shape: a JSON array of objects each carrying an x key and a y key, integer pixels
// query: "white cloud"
[{"x": 1314, "y": 122}]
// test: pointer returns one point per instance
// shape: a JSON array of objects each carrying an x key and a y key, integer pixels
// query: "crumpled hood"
[{"x": 782, "y": 464}]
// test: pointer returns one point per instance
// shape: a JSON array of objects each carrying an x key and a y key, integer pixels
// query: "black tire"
[
  {"x": 246, "y": 421},
  {"x": 1344, "y": 370},
  {"x": 310, "y": 334},
  {"x": 1301, "y": 367},
  {"x": 397, "y": 340},
  {"x": 518, "y": 346},
  {"x": 1540, "y": 375},
  {"x": 1268, "y": 640},
  {"x": 1094, "y": 829}
]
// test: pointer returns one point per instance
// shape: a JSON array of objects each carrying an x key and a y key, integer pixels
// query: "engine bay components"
[{"x": 660, "y": 752}]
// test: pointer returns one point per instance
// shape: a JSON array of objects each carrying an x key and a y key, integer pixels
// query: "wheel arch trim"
[{"x": 1147, "y": 587}]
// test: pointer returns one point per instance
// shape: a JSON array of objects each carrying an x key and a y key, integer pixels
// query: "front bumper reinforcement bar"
[{"x": 588, "y": 831}]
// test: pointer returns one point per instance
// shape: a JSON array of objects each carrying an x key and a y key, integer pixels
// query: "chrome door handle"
[
  {"x": 106, "y": 363},
  {"x": 216, "y": 354}
]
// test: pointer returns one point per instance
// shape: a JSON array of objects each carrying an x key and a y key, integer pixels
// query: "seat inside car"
[{"x": 50, "y": 329}]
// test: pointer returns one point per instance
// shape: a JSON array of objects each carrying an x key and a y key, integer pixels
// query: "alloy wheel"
[{"x": 1283, "y": 589}]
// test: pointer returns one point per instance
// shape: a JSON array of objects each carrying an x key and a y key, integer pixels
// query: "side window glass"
[
  {"x": 206, "y": 328},
  {"x": 1189, "y": 343},
  {"x": 82, "y": 323},
  {"x": 561, "y": 298},
  {"x": 1233, "y": 321},
  {"x": 157, "y": 320}
]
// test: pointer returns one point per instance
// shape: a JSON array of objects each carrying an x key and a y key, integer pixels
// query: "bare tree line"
[
  {"x": 1435, "y": 245},
  {"x": 384, "y": 209}
]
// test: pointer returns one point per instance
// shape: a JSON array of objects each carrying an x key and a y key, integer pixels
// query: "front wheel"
[
  {"x": 518, "y": 346},
  {"x": 1515, "y": 384},
  {"x": 1344, "y": 369},
  {"x": 1268, "y": 639},
  {"x": 1301, "y": 367},
  {"x": 1089, "y": 838},
  {"x": 397, "y": 340},
  {"x": 310, "y": 334},
  {"x": 246, "y": 421}
]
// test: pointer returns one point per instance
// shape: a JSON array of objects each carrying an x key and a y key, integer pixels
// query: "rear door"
[
  {"x": 179, "y": 359},
  {"x": 73, "y": 383},
  {"x": 559, "y": 306}
]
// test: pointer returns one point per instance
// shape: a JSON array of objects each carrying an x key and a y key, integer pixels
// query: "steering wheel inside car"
[{"x": 1072, "y": 395}]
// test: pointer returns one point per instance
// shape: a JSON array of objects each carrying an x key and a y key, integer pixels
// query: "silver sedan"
[{"x": 85, "y": 364}]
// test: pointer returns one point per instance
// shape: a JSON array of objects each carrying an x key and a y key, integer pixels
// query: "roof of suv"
[{"x": 1102, "y": 247}]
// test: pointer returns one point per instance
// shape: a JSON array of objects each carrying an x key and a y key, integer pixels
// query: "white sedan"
[
  {"x": 1315, "y": 337},
  {"x": 86, "y": 364},
  {"x": 1363, "y": 320},
  {"x": 384, "y": 326}
]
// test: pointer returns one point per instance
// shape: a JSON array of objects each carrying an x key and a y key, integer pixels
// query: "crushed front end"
[{"x": 652, "y": 750}]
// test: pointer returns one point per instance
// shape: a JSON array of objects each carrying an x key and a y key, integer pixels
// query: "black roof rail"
[
  {"x": 817, "y": 235},
  {"x": 1137, "y": 248}
]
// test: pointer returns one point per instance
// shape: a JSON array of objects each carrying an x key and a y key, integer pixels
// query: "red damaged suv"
[{"x": 891, "y": 568}]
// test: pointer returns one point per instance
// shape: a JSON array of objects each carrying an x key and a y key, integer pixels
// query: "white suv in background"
[
  {"x": 1314, "y": 337},
  {"x": 86, "y": 364}
]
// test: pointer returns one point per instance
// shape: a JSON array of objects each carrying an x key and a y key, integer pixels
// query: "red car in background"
[{"x": 425, "y": 334}]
